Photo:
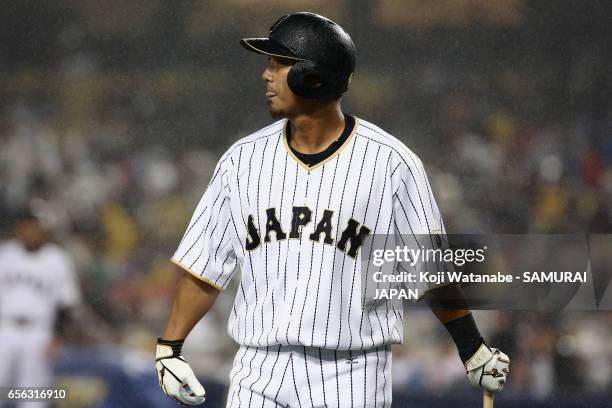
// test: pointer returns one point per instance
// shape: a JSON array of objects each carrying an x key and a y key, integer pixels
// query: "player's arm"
[
  {"x": 212, "y": 262},
  {"x": 68, "y": 298},
  {"x": 486, "y": 367},
  {"x": 448, "y": 304},
  {"x": 193, "y": 299},
  {"x": 63, "y": 322}
]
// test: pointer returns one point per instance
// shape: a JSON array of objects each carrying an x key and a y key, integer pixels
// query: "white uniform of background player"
[{"x": 34, "y": 284}]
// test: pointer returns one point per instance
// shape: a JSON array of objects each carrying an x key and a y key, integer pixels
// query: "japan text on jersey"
[{"x": 295, "y": 233}]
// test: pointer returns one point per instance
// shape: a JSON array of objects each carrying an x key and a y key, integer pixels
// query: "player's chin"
[{"x": 275, "y": 112}]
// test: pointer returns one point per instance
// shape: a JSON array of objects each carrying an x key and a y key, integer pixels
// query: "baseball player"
[
  {"x": 290, "y": 206},
  {"x": 38, "y": 289}
]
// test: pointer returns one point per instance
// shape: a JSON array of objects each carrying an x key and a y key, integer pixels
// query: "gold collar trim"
[{"x": 336, "y": 153}]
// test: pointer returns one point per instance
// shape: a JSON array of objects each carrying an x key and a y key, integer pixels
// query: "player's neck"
[
  {"x": 32, "y": 246},
  {"x": 315, "y": 131}
]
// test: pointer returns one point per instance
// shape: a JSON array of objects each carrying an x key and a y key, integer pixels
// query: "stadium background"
[{"x": 112, "y": 116}]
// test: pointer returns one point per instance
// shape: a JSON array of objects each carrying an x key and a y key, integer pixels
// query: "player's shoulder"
[
  {"x": 8, "y": 246},
  {"x": 50, "y": 251},
  {"x": 272, "y": 130},
  {"x": 11, "y": 246},
  {"x": 398, "y": 150},
  {"x": 57, "y": 253},
  {"x": 55, "y": 249}
]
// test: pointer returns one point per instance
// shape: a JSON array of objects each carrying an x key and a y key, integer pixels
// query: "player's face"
[
  {"x": 31, "y": 234},
  {"x": 282, "y": 102}
]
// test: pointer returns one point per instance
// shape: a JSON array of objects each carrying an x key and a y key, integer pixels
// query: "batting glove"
[
  {"x": 488, "y": 368},
  {"x": 175, "y": 376}
]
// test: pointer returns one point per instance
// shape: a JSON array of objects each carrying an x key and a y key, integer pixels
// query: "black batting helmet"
[{"x": 324, "y": 52}]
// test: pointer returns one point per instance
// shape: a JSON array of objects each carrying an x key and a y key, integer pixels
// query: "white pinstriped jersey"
[
  {"x": 295, "y": 232},
  {"x": 34, "y": 284}
]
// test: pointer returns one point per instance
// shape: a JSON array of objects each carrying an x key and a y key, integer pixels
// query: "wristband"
[
  {"x": 479, "y": 358},
  {"x": 169, "y": 348},
  {"x": 466, "y": 336}
]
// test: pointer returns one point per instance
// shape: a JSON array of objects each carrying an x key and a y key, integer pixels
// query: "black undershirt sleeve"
[{"x": 176, "y": 345}]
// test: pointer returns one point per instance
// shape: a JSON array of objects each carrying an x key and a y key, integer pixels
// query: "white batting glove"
[
  {"x": 487, "y": 369},
  {"x": 175, "y": 376}
]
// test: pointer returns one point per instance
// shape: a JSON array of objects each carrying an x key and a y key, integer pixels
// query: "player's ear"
[{"x": 313, "y": 80}]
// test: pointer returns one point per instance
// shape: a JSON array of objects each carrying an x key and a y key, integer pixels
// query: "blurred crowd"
[{"x": 514, "y": 125}]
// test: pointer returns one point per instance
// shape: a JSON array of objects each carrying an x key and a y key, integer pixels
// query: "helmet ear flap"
[{"x": 305, "y": 79}]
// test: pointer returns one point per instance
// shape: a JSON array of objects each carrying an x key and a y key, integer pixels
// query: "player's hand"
[
  {"x": 488, "y": 368},
  {"x": 175, "y": 376}
]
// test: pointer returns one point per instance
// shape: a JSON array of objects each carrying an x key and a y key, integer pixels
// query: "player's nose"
[{"x": 267, "y": 74}]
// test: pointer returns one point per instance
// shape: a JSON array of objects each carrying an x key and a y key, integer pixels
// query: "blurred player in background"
[{"x": 38, "y": 292}]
